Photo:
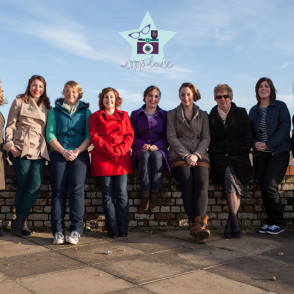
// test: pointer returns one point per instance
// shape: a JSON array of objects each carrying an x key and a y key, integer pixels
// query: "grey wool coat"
[{"x": 185, "y": 138}]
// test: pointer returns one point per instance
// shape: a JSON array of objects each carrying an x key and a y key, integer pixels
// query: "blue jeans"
[
  {"x": 29, "y": 174},
  {"x": 270, "y": 171},
  {"x": 150, "y": 166},
  {"x": 68, "y": 177},
  {"x": 116, "y": 211}
]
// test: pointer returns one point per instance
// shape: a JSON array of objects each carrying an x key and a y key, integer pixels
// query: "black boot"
[
  {"x": 17, "y": 225},
  {"x": 25, "y": 230}
]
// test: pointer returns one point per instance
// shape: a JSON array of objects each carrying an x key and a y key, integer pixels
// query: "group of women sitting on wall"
[{"x": 185, "y": 141}]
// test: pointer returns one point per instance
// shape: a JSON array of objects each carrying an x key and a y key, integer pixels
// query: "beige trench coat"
[
  {"x": 2, "y": 168},
  {"x": 185, "y": 138},
  {"x": 25, "y": 129}
]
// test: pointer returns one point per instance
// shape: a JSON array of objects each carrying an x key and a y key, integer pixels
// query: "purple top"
[{"x": 151, "y": 132}]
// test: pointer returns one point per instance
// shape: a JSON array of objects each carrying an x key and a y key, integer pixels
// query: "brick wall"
[{"x": 169, "y": 213}]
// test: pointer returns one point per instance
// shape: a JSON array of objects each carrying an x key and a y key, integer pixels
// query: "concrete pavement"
[{"x": 165, "y": 262}]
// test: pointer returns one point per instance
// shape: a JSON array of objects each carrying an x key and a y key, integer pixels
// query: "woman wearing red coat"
[{"x": 112, "y": 135}]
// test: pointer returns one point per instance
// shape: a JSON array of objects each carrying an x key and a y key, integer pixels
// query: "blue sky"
[{"x": 233, "y": 42}]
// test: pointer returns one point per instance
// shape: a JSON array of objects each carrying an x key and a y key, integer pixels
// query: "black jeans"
[
  {"x": 270, "y": 171},
  {"x": 193, "y": 183}
]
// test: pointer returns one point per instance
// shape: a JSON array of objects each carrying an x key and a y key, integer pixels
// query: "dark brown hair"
[
  {"x": 272, "y": 87},
  {"x": 43, "y": 98},
  {"x": 150, "y": 89},
  {"x": 118, "y": 100},
  {"x": 196, "y": 93}
]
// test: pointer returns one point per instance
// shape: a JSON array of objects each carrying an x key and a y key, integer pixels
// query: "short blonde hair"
[
  {"x": 75, "y": 86},
  {"x": 2, "y": 99}
]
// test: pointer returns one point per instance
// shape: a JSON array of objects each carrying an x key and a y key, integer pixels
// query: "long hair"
[{"x": 43, "y": 98}]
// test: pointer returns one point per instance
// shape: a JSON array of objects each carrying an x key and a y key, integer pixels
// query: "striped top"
[{"x": 262, "y": 124}]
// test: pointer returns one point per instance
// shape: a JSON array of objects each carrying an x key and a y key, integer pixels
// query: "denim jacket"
[{"x": 278, "y": 125}]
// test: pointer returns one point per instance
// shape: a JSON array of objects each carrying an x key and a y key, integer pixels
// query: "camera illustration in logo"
[{"x": 148, "y": 46}]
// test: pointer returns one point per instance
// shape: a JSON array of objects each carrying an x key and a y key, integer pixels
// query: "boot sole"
[{"x": 202, "y": 234}]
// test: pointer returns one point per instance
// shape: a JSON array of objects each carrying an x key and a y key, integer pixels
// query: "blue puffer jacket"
[
  {"x": 278, "y": 125},
  {"x": 70, "y": 130}
]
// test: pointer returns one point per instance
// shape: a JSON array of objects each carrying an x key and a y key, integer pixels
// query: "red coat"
[{"x": 112, "y": 137}]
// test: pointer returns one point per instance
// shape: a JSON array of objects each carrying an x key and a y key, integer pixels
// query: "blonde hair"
[
  {"x": 223, "y": 87},
  {"x": 2, "y": 99},
  {"x": 75, "y": 86}
]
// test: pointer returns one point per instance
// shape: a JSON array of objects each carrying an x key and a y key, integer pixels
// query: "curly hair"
[
  {"x": 43, "y": 98},
  {"x": 196, "y": 93},
  {"x": 118, "y": 100}
]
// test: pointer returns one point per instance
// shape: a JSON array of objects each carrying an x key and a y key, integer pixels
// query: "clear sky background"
[{"x": 234, "y": 42}]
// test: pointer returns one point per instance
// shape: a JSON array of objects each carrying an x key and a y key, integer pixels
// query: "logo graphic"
[{"x": 147, "y": 41}]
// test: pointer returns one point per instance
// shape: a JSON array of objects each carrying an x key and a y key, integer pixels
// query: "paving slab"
[
  {"x": 82, "y": 280},
  {"x": 46, "y": 239},
  {"x": 134, "y": 290},
  {"x": 185, "y": 235},
  {"x": 13, "y": 288},
  {"x": 248, "y": 246},
  {"x": 101, "y": 252},
  {"x": 11, "y": 245},
  {"x": 258, "y": 271},
  {"x": 201, "y": 282},
  {"x": 153, "y": 243},
  {"x": 148, "y": 267},
  {"x": 36, "y": 263}
]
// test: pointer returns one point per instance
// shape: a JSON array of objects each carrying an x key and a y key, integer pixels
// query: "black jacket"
[{"x": 230, "y": 145}]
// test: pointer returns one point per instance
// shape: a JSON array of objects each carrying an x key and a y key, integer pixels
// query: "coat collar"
[
  {"x": 158, "y": 110},
  {"x": 180, "y": 112},
  {"x": 215, "y": 112},
  {"x": 272, "y": 103},
  {"x": 34, "y": 111}
]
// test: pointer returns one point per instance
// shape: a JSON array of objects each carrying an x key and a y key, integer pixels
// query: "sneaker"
[
  {"x": 275, "y": 230},
  {"x": 264, "y": 229},
  {"x": 73, "y": 238},
  {"x": 58, "y": 238}
]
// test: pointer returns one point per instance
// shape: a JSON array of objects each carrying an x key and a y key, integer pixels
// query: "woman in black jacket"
[{"x": 229, "y": 149}]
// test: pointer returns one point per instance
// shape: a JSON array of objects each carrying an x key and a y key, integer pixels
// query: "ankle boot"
[
  {"x": 201, "y": 233},
  {"x": 17, "y": 225},
  {"x": 25, "y": 230},
  {"x": 145, "y": 200},
  {"x": 154, "y": 198},
  {"x": 228, "y": 229}
]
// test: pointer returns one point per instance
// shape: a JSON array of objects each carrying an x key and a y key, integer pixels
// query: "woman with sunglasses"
[
  {"x": 229, "y": 150},
  {"x": 271, "y": 124},
  {"x": 188, "y": 137},
  {"x": 26, "y": 144}
]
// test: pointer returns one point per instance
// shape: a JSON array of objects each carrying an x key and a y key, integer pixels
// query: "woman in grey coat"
[{"x": 188, "y": 137}]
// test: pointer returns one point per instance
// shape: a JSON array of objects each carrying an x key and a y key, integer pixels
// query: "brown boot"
[
  {"x": 154, "y": 198},
  {"x": 145, "y": 200},
  {"x": 201, "y": 233}
]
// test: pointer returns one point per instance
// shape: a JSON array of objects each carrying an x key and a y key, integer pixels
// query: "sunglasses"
[{"x": 222, "y": 96}]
